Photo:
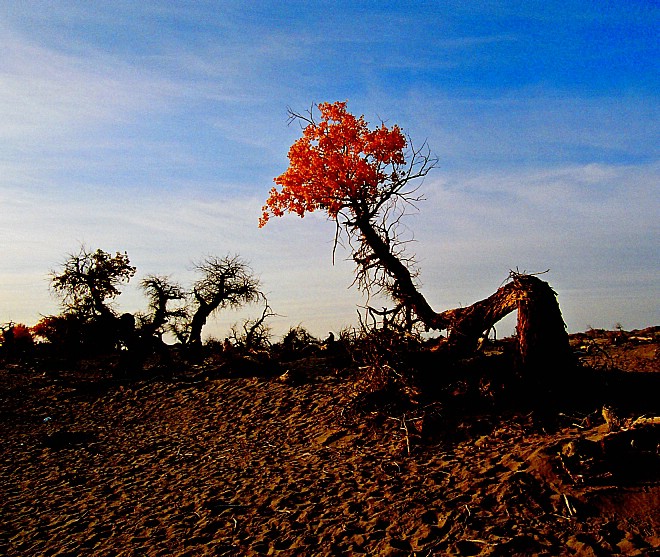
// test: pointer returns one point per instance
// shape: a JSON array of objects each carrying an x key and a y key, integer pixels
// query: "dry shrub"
[
  {"x": 297, "y": 343},
  {"x": 384, "y": 376}
]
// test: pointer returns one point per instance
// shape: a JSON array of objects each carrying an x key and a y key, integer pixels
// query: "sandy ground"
[{"x": 205, "y": 464}]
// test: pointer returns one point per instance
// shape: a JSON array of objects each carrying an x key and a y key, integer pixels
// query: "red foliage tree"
[
  {"x": 15, "y": 340},
  {"x": 362, "y": 178},
  {"x": 337, "y": 164},
  {"x": 16, "y": 332}
]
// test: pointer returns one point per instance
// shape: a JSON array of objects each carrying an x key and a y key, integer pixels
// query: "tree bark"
[{"x": 542, "y": 337}]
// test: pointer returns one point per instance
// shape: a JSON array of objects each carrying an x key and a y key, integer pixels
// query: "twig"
[
  {"x": 569, "y": 507},
  {"x": 405, "y": 428},
  {"x": 577, "y": 478},
  {"x": 479, "y": 541},
  {"x": 559, "y": 516}
]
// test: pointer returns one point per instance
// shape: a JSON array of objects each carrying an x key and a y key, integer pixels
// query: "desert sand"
[{"x": 213, "y": 462}]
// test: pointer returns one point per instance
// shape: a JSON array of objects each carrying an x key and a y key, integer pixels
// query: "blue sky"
[{"x": 157, "y": 128}]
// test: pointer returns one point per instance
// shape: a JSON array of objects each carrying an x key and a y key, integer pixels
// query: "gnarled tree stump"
[{"x": 542, "y": 337}]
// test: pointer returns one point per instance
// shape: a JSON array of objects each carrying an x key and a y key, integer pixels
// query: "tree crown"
[
  {"x": 338, "y": 163},
  {"x": 88, "y": 279}
]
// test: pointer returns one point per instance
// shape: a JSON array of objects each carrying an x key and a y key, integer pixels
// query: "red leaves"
[{"x": 337, "y": 163}]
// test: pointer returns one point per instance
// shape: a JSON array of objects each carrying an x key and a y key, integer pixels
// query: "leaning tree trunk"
[
  {"x": 542, "y": 337},
  {"x": 197, "y": 323}
]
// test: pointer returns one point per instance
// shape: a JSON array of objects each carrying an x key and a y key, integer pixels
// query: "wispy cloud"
[
  {"x": 532, "y": 127},
  {"x": 44, "y": 91},
  {"x": 574, "y": 220}
]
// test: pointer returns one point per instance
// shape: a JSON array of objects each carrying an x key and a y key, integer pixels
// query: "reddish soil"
[{"x": 211, "y": 464}]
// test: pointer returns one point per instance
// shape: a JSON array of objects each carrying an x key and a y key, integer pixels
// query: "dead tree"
[{"x": 225, "y": 282}]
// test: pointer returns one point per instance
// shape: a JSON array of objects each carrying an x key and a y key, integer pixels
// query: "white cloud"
[
  {"x": 45, "y": 93},
  {"x": 594, "y": 226}
]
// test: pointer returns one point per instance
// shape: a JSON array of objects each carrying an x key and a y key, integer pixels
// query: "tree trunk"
[
  {"x": 407, "y": 292},
  {"x": 542, "y": 337},
  {"x": 465, "y": 326},
  {"x": 197, "y": 323}
]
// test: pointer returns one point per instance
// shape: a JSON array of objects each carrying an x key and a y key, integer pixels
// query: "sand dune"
[{"x": 263, "y": 466}]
